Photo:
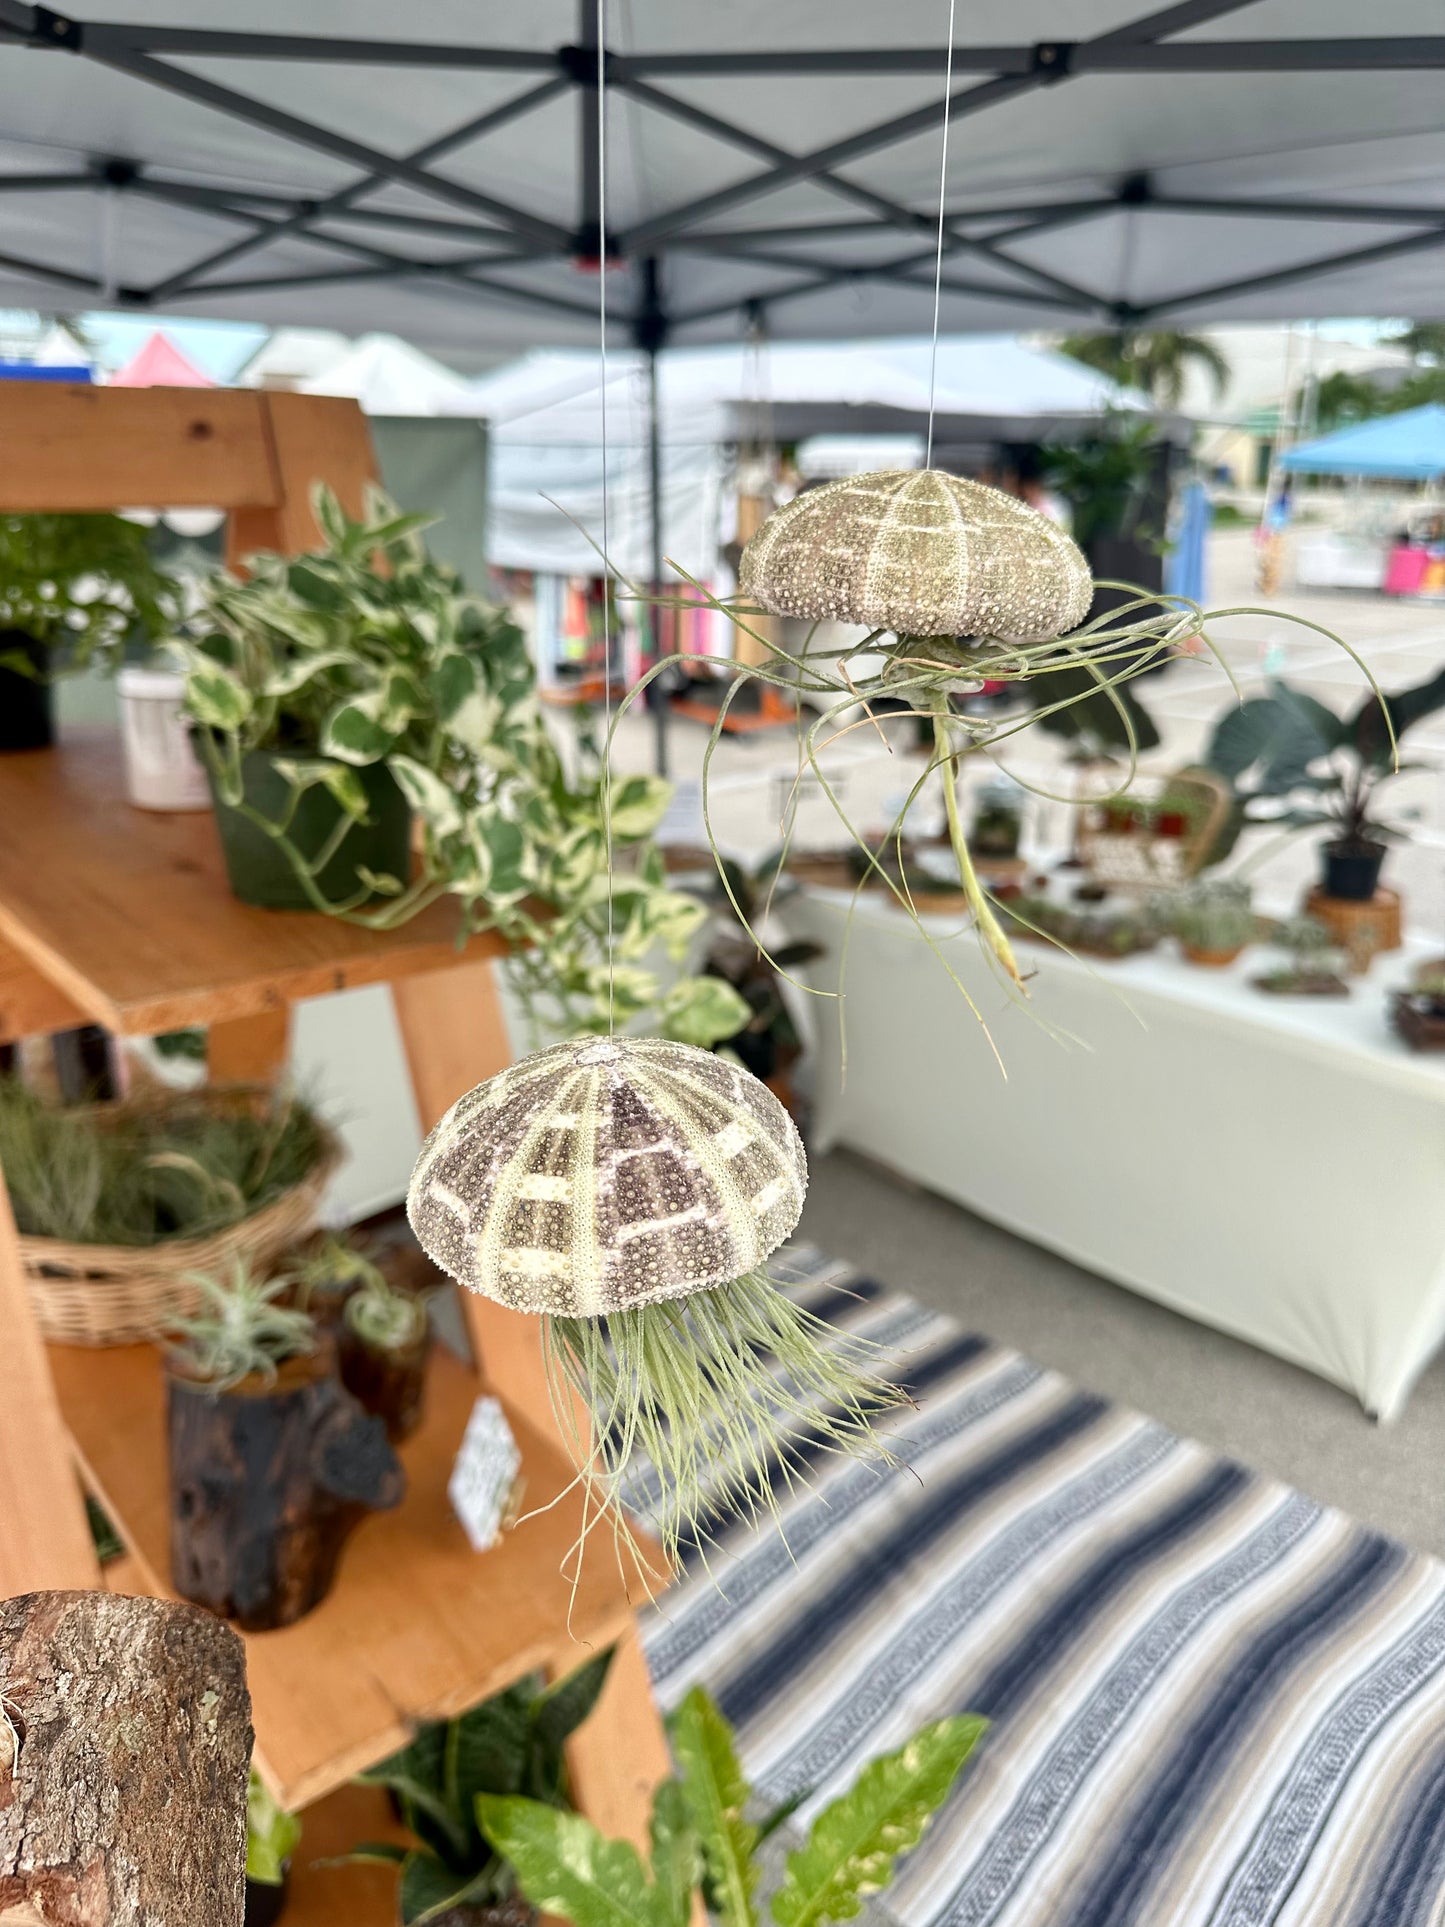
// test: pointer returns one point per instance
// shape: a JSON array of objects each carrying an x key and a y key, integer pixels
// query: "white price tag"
[{"x": 484, "y": 1475}]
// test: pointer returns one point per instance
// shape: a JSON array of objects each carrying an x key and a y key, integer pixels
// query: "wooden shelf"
[
  {"x": 323, "y": 1895},
  {"x": 418, "y": 1626},
  {"x": 127, "y": 913}
]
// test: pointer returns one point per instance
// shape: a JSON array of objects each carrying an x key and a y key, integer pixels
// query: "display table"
[{"x": 1271, "y": 1166}]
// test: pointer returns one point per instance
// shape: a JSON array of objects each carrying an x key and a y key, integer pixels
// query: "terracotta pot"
[{"x": 1211, "y": 959}]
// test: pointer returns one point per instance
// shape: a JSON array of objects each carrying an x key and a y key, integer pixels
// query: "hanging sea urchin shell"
[
  {"x": 602, "y": 1174},
  {"x": 920, "y": 553}
]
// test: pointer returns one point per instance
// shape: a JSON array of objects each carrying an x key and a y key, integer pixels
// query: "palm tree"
[{"x": 1158, "y": 362}]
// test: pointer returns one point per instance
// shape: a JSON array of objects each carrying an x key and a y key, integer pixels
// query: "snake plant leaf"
[
  {"x": 717, "y": 1794},
  {"x": 430, "y": 1889},
  {"x": 562, "y": 1708},
  {"x": 565, "y": 1866},
  {"x": 676, "y": 1853},
  {"x": 854, "y": 1842},
  {"x": 485, "y": 1751}
]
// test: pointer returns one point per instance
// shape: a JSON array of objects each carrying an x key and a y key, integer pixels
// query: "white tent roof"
[
  {"x": 430, "y": 171},
  {"x": 389, "y": 377}
]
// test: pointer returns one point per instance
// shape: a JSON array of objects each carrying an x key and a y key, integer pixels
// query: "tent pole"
[{"x": 649, "y": 331}]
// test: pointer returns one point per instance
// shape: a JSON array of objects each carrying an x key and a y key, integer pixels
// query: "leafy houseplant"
[
  {"x": 382, "y": 1349},
  {"x": 511, "y": 1745},
  {"x": 1213, "y": 920},
  {"x": 1284, "y": 744},
  {"x": 345, "y": 694},
  {"x": 704, "y": 1843},
  {"x": 1313, "y": 961},
  {"x": 71, "y": 588},
  {"x": 272, "y": 1464},
  {"x": 768, "y": 1043},
  {"x": 272, "y": 1837}
]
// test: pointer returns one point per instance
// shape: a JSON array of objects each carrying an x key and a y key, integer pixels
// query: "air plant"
[
  {"x": 243, "y": 1329},
  {"x": 383, "y": 1316},
  {"x": 629, "y": 1191}
]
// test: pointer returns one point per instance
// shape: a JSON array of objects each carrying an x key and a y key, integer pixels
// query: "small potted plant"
[
  {"x": 327, "y": 1271},
  {"x": 1419, "y": 1012},
  {"x": 1313, "y": 962},
  {"x": 383, "y": 1343},
  {"x": 514, "y": 1743},
  {"x": 72, "y": 588},
  {"x": 272, "y": 1463},
  {"x": 272, "y": 1837},
  {"x": 1214, "y": 920},
  {"x": 998, "y": 822}
]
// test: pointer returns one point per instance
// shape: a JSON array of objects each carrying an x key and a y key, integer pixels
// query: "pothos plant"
[
  {"x": 705, "y": 1843},
  {"x": 368, "y": 651}
]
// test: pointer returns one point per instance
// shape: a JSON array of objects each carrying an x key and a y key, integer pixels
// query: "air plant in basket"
[{"x": 629, "y": 1191}]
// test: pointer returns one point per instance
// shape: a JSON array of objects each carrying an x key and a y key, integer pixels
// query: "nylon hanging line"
[
  {"x": 606, "y": 544},
  {"x": 938, "y": 261}
]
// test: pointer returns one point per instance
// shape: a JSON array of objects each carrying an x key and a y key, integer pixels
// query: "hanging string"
[
  {"x": 606, "y": 545},
  {"x": 938, "y": 261}
]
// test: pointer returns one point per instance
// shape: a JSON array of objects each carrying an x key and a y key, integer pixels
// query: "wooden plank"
[
  {"x": 249, "y": 1050},
  {"x": 44, "y": 1538},
  {"x": 418, "y": 1626},
  {"x": 311, "y": 438},
  {"x": 325, "y": 1895},
  {"x": 66, "y": 446},
  {"x": 30, "y": 1004},
  {"x": 619, "y": 1756},
  {"x": 129, "y": 914}
]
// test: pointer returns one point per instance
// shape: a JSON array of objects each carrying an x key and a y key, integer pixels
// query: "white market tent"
[
  {"x": 546, "y": 419},
  {"x": 390, "y": 377},
  {"x": 432, "y": 171}
]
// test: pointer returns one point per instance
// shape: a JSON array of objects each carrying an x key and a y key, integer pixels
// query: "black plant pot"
[
  {"x": 1352, "y": 870},
  {"x": 266, "y": 1899},
  {"x": 259, "y": 869},
  {"x": 27, "y": 703}
]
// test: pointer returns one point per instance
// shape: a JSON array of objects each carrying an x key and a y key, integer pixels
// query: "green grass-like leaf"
[
  {"x": 717, "y": 1793},
  {"x": 854, "y": 1843}
]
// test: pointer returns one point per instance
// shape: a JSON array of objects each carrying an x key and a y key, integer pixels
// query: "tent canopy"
[
  {"x": 159, "y": 363},
  {"x": 1409, "y": 446},
  {"x": 434, "y": 169}
]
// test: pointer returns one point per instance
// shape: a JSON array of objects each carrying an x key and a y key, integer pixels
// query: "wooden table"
[{"x": 123, "y": 918}]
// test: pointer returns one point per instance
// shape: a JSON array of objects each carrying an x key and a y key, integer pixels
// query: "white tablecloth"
[{"x": 1274, "y": 1167}]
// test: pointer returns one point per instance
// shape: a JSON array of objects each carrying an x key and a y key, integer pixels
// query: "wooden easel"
[{"x": 123, "y": 918}]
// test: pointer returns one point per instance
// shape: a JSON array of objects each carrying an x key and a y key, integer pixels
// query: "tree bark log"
[{"x": 125, "y": 1745}]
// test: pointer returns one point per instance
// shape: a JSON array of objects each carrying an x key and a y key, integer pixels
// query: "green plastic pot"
[{"x": 258, "y": 867}]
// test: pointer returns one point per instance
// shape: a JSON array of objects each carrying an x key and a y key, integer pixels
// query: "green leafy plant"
[
  {"x": 1105, "y": 477},
  {"x": 244, "y": 1329},
  {"x": 1314, "y": 959},
  {"x": 1155, "y": 360},
  {"x": 702, "y": 1839},
  {"x": 78, "y": 585},
  {"x": 1286, "y": 745},
  {"x": 272, "y": 1834},
  {"x": 139, "y": 1174},
  {"x": 767, "y": 1040},
  {"x": 1213, "y": 914},
  {"x": 509, "y": 1747},
  {"x": 369, "y": 652}
]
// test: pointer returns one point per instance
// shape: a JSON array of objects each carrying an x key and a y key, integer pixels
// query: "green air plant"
[
  {"x": 367, "y": 658},
  {"x": 511, "y": 1746},
  {"x": 629, "y": 1193},
  {"x": 705, "y": 1841},
  {"x": 382, "y": 1315},
  {"x": 243, "y": 1329},
  {"x": 272, "y": 1834}
]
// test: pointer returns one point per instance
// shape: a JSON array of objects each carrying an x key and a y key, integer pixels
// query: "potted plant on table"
[
  {"x": 1295, "y": 764},
  {"x": 1213, "y": 920},
  {"x": 705, "y": 1843},
  {"x": 72, "y": 588},
  {"x": 383, "y": 1342},
  {"x": 1313, "y": 961},
  {"x": 1419, "y": 1012},
  {"x": 511, "y": 1745},
  {"x": 272, "y": 1463}
]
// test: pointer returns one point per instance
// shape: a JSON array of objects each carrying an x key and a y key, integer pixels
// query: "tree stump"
[
  {"x": 267, "y": 1481},
  {"x": 388, "y": 1380},
  {"x": 125, "y": 1745}
]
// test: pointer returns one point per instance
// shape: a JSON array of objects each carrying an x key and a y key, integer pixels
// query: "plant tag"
[{"x": 484, "y": 1478}]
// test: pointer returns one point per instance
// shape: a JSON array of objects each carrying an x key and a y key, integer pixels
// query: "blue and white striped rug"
[{"x": 1213, "y": 1701}]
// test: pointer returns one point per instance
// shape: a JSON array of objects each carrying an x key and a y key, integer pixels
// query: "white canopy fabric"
[
  {"x": 546, "y": 417},
  {"x": 431, "y": 171},
  {"x": 389, "y": 377}
]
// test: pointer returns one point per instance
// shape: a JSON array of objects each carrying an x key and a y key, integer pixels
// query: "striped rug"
[{"x": 1212, "y": 1699}]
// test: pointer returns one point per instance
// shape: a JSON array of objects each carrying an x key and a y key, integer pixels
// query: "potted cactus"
[
  {"x": 272, "y": 1463},
  {"x": 1213, "y": 921},
  {"x": 383, "y": 1342}
]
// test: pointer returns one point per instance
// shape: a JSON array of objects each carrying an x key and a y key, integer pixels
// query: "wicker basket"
[
  {"x": 127, "y": 1294},
  {"x": 1144, "y": 860}
]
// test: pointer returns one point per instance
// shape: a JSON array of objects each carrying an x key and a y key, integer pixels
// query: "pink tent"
[{"x": 160, "y": 364}]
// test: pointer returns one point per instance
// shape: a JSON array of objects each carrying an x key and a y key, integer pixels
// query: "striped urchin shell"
[
  {"x": 604, "y": 1173},
  {"x": 921, "y": 553}
]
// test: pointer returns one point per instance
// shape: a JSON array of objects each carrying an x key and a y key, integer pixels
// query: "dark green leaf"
[
  {"x": 428, "y": 1888},
  {"x": 565, "y": 1866},
  {"x": 486, "y": 1749},
  {"x": 717, "y": 1795},
  {"x": 1407, "y": 707},
  {"x": 1093, "y": 715},
  {"x": 854, "y": 1843},
  {"x": 562, "y": 1708}
]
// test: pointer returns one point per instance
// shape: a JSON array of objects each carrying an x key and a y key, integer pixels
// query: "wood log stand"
[
  {"x": 267, "y": 1480},
  {"x": 124, "y": 1753},
  {"x": 388, "y": 1380}
]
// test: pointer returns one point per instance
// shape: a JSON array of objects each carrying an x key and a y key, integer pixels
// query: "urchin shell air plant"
[{"x": 630, "y": 1191}]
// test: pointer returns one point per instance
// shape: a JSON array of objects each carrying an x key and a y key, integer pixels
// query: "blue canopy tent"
[{"x": 1409, "y": 447}]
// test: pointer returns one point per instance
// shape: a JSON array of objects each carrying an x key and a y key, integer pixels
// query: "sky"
[{"x": 217, "y": 348}]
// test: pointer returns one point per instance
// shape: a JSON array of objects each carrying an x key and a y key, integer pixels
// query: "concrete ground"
[{"x": 1255, "y": 1408}]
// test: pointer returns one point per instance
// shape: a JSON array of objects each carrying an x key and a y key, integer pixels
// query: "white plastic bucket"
[{"x": 161, "y": 769}]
